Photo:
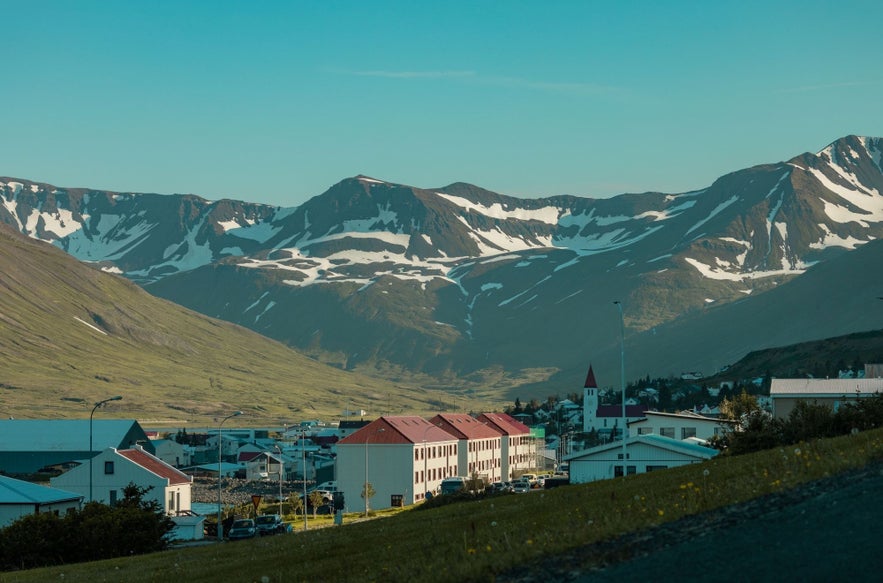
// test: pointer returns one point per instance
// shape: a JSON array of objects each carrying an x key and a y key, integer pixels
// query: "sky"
[{"x": 275, "y": 102}]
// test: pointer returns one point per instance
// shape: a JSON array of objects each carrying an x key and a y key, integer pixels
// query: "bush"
[{"x": 134, "y": 526}]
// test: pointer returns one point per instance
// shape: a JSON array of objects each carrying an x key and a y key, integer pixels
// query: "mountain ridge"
[{"x": 459, "y": 282}]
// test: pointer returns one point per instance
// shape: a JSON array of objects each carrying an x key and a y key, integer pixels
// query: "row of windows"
[
  {"x": 434, "y": 474},
  {"x": 435, "y": 451},
  {"x": 484, "y": 444}
]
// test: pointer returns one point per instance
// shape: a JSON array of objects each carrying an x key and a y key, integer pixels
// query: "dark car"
[
  {"x": 242, "y": 528},
  {"x": 269, "y": 524}
]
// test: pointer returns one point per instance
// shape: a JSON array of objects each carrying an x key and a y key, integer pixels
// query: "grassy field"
[{"x": 472, "y": 541}]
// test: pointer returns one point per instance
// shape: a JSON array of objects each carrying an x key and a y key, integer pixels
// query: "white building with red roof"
[
  {"x": 113, "y": 470},
  {"x": 402, "y": 457},
  {"x": 480, "y": 451},
  {"x": 518, "y": 451},
  {"x": 606, "y": 419}
]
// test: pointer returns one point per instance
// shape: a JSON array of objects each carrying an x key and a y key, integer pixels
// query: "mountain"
[
  {"x": 71, "y": 335},
  {"x": 458, "y": 286}
]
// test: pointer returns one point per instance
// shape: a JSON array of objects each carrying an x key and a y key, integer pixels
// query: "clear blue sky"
[{"x": 275, "y": 102}]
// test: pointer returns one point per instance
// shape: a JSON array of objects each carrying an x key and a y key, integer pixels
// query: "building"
[
  {"x": 27, "y": 445},
  {"x": 18, "y": 499},
  {"x": 786, "y": 393},
  {"x": 480, "y": 451},
  {"x": 606, "y": 420},
  {"x": 113, "y": 470},
  {"x": 172, "y": 452},
  {"x": 683, "y": 425},
  {"x": 644, "y": 453},
  {"x": 518, "y": 451},
  {"x": 402, "y": 457}
]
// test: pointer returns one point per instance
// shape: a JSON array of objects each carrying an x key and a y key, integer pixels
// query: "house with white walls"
[
  {"x": 643, "y": 453},
  {"x": 683, "y": 425},
  {"x": 19, "y": 498},
  {"x": 518, "y": 450},
  {"x": 402, "y": 457},
  {"x": 113, "y": 470},
  {"x": 480, "y": 451},
  {"x": 786, "y": 393}
]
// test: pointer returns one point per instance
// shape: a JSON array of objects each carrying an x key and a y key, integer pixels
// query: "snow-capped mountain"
[{"x": 457, "y": 279}]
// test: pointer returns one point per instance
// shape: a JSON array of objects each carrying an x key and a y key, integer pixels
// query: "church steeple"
[{"x": 590, "y": 401}]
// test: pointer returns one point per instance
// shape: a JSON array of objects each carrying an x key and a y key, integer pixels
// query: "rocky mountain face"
[{"x": 468, "y": 285}]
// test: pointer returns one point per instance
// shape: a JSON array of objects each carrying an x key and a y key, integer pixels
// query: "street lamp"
[
  {"x": 281, "y": 467},
  {"x": 622, "y": 381},
  {"x": 303, "y": 452},
  {"x": 220, "y": 524},
  {"x": 365, "y": 491},
  {"x": 91, "y": 455}
]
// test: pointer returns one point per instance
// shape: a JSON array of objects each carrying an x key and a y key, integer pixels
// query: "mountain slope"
[
  {"x": 462, "y": 286},
  {"x": 71, "y": 335}
]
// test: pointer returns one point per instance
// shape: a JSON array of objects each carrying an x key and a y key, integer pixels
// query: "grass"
[
  {"x": 71, "y": 335},
  {"x": 475, "y": 540}
]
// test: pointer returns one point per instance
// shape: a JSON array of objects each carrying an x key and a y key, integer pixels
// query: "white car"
[{"x": 521, "y": 487}]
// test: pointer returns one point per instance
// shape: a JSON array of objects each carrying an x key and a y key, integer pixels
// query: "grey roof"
[
  {"x": 654, "y": 440},
  {"x": 14, "y": 491},
  {"x": 63, "y": 434},
  {"x": 821, "y": 387}
]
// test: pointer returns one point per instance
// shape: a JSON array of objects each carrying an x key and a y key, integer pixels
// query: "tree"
[
  {"x": 297, "y": 503},
  {"x": 739, "y": 407},
  {"x": 316, "y": 500},
  {"x": 368, "y": 492}
]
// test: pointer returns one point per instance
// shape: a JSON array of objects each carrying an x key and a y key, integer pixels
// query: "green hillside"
[{"x": 71, "y": 335}]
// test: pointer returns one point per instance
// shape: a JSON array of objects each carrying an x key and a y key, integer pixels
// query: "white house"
[
  {"x": 683, "y": 425},
  {"x": 644, "y": 453},
  {"x": 19, "y": 498},
  {"x": 172, "y": 452},
  {"x": 518, "y": 450},
  {"x": 480, "y": 450},
  {"x": 113, "y": 470},
  {"x": 785, "y": 393},
  {"x": 400, "y": 456}
]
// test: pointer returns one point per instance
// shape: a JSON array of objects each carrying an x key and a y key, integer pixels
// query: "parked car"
[
  {"x": 269, "y": 524},
  {"x": 521, "y": 487},
  {"x": 331, "y": 486},
  {"x": 242, "y": 528},
  {"x": 453, "y": 484},
  {"x": 529, "y": 478}
]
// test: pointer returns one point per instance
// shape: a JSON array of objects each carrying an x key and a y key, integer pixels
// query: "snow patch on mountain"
[
  {"x": 830, "y": 239},
  {"x": 733, "y": 199},
  {"x": 548, "y": 215},
  {"x": 721, "y": 274}
]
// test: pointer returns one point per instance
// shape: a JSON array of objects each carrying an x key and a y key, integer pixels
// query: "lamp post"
[
  {"x": 220, "y": 524},
  {"x": 281, "y": 468},
  {"x": 91, "y": 455},
  {"x": 622, "y": 381},
  {"x": 365, "y": 491},
  {"x": 303, "y": 453}
]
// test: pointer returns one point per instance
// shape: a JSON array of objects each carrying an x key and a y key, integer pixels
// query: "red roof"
[
  {"x": 465, "y": 426},
  {"x": 616, "y": 411},
  {"x": 247, "y": 456},
  {"x": 155, "y": 465},
  {"x": 505, "y": 423},
  {"x": 591, "y": 383},
  {"x": 398, "y": 430}
]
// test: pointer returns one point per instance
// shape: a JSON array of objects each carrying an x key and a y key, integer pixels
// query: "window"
[
  {"x": 688, "y": 432},
  {"x": 108, "y": 467},
  {"x": 631, "y": 470},
  {"x": 617, "y": 471},
  {"x": 645, "y": 430},
  {"x": 654, "y": 468},
  {"x": 667, "y": 432},
  {"x": 113, "y": 496}
]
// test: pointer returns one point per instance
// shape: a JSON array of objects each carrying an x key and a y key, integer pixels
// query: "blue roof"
[
  {"x": 63, "y": 434},
  {"x": 14, "y": 491}
]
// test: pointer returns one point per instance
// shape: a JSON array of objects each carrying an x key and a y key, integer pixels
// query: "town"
[{"x": 353, "y": 467}]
